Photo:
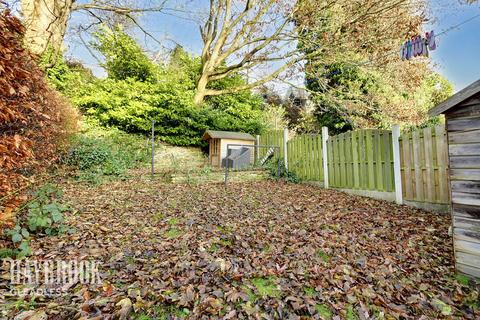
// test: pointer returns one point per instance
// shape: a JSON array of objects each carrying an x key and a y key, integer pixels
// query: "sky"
[{"x": 457, "y": 57}]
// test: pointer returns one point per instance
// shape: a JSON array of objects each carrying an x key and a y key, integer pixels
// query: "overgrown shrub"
[
  {"x": 131, "y": 105},
  {"x": 276, "y": 169},
  {"x": 65, "y": 76},
  {"x": 99, "y": 152},
  {"x": 35, "y": 122}
]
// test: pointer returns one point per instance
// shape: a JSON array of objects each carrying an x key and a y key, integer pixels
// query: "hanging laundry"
[{"x": 418, "y": 46}]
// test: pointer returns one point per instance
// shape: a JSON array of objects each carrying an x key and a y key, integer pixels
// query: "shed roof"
[
  {"x": 210, "y": 134},
  {"x": 456, "y": 99}
]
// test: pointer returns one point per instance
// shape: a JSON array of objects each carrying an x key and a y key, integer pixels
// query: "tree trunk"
[
  {"x": 201, "y": 90},
  {"x": 46, "y": 23}
]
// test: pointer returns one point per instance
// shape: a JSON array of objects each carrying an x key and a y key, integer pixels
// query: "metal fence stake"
[{"x": 257, "y": 149}]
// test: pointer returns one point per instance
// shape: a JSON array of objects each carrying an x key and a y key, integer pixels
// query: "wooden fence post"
[
  {"x": 285, "y": 148},
  {"x": 396, "y": 164},
  {"x": 325, "y": 156}
]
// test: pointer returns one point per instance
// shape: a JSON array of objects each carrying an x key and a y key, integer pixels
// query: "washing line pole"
[
  {"x": 153, "y": 148},
  {"x": 285, "y": 148}
]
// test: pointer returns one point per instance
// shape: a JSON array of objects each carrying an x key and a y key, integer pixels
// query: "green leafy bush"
[
  {"x": 45, "y": 215},
  {"x": 45, "y": 212},
  {"x": 274, "y": 165},
  {"x": 138, "y": 90},
  {"x": 123, "y": 57},
  {"x": 131, "y": 105},
  {"x": 88, "y": 153},
  {"x": 98, "y": 152},
  {"x": 65, "y": 76}
]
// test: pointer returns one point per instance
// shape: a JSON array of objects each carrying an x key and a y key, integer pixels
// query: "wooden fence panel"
[
  {"x": 424, "y": 165},
  {"x": 361, "y": 160},
  {"x": 305, "y": 157},
  {"x": 272, "y": 138}
]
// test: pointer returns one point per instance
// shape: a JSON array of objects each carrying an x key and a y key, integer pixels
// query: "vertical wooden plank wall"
[
  {"x": 363, "y": 160},
  {"x": 463, "y": 125},
  {"x": 424, "y": 165}
]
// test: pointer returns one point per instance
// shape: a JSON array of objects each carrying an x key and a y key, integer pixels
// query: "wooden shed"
[
  {"x": 462, "y": 120},
  {"x": 218, "y": 141}
]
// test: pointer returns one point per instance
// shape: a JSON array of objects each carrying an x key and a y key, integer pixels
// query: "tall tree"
[
  {"x": 241, "y": 35},
  {"x": 358, "y": 78},
  {"x": 46, "y": 23},
  {"x": 46, "y": 20},
  {"x": 261, "y": 35}
]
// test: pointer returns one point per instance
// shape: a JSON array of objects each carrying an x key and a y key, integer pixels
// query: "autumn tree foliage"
[
  {"x": 357, "y": 79},
  {"x": 35, "y": 121}
]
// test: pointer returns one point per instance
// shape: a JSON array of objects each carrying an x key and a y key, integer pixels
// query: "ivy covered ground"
[{"x": 265, "y": 250}]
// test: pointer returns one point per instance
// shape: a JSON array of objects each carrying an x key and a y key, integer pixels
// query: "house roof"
[
  {"x": 457, "y": 98},
  {"x": 210, "y": 134}
]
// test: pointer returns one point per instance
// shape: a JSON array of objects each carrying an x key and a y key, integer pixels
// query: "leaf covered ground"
[{"x": 265, "y": 250}]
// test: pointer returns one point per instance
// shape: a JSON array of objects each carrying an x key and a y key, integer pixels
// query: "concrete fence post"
[
  {"x": 257, "y": 149},
  {"x": 325, "y": 157},
  {"x": 285, "y": 148},
  {"x": 396, "y": 164}
]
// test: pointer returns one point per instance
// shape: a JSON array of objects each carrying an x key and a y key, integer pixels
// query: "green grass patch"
[
  {"x": 173, "y": 233},
  {"x": 309, "y": 292},
  {"x": 323, "y": 311},
  {"x": 225, "y": 229},
  {"x": 173, "y": 221},
  {"x": 7, "y": 253},
  {"x": 252, "y": 297},
  {"x": 351, "y": 314},
  {"x": 213, "y": 248},
  {"x": 465, "y": 280},
  {"x": 323, "y": 255},
  {"x": 462, "y": 279},
  {"x": 162, "y": 312},
  {"x": 266, "y": 287}
]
